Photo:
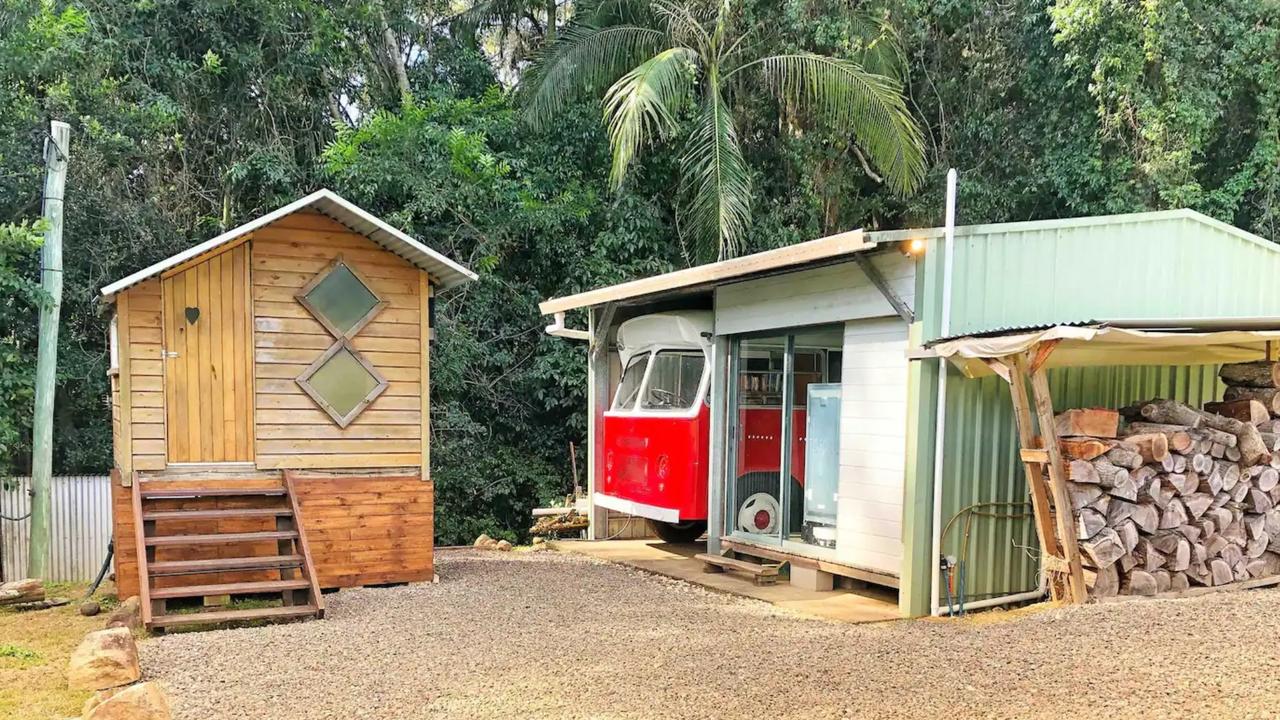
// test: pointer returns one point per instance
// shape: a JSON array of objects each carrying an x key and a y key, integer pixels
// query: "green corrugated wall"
[
  {"x": 1164, "y": 265},
  {"x": 981, "y": 464}
]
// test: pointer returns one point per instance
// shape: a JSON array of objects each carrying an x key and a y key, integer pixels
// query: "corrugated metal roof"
[
  {"x": 1171, "y": 269},
  {"x": 444, "y": 272}
]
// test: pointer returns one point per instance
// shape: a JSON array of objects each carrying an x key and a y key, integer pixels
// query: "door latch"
[{"x": 171, "y": 353}]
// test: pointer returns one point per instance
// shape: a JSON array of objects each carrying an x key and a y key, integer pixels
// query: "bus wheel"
[
  {"x": 759, "y": 510},
  {"x": 685, "y": 532}
]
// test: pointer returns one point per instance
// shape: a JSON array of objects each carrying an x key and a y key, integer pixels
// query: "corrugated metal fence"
[{"x": 80, "y": 526}]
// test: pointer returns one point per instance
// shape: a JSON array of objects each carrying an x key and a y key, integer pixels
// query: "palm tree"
[{"x": 659, "y": 59}]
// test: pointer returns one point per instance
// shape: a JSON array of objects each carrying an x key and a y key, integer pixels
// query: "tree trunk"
[
  {"x": 1258, "y": 374},
  {"x": 20, "y": 592}
]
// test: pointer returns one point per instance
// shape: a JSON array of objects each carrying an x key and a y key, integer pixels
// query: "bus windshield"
[{"x": 674, "y": 380}]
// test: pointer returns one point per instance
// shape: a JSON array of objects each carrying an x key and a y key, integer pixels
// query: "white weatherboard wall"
[
  {"x": 873, "y": 413},
  {"x": 834, "y": 293},
  {"x": 873, "y": 444}
]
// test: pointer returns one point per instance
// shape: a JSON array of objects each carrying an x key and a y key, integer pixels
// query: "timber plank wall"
[
  {"x": 291, "y": 432},
  {"x": 361, "y": 530}
]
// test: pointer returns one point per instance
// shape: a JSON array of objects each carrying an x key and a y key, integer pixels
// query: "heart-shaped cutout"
[{"x": 193, "y": 314}]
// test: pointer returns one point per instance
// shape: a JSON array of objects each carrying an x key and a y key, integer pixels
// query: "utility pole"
[{"x": 56, "y": 149}]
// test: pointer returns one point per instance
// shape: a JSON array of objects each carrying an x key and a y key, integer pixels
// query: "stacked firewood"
[{"x": 1178, "y": 497}]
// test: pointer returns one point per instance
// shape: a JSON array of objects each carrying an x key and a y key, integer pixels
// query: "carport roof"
[{"x": 708, "y": 275}]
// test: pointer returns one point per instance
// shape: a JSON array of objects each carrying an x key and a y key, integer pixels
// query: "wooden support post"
[
  {"x": 597, "y": 401},
  {"x": 1034, "y": 470},
  {"x": 1063, "y": 514}
]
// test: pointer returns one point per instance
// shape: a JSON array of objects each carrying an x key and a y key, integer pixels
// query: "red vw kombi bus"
[{"x": 656, "y": 431}]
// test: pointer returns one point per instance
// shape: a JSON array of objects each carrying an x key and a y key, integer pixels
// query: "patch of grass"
[{"x": 33, "y": 658}]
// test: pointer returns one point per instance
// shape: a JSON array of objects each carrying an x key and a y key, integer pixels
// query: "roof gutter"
[{"x": 557, "y": 329}]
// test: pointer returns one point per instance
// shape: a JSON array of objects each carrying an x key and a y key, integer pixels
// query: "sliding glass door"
[{"x": 775, "y": 380}]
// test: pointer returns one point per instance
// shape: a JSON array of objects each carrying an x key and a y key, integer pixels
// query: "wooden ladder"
[{"x": 218, "y": 536}]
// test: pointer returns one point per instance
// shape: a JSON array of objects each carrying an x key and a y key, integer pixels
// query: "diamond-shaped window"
[
  {"x": 341, "y": 299},
  {"x": 342, "y": 382}
]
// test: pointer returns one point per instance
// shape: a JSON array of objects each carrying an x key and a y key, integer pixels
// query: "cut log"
[
  {"x": 1082, "y": 448},
  {"x": 1257, "y": 546},
  {"x": 1242, "y": 409},
  {"x": 1169, "y": 412},
  {"x": 1128, "y": 533},
  {"x": 1220, "y": 571},
  {"x": 1211, "y": 482},
  {"x": 1202, "y": 463},
  {"x": 1124, "y": 486},
  {"x": 1109, "y": 475},
  {"x": 1197, "y": 503},
  {"x": 1255, "y": 525},
  {"x": 1258, "y": 501},
  {"x": 1163, "y": 580},
  {"x": 1093, "y": 422},
  {"x": 1127, "y": 457},
  {"x": 1157, "y": 491},
  {"x": 1230, "y": 475},
  {"x": 1183, "y": 483},
  {"x": 1140, "y": 583},
  {"x": 1146, "y": 516},
  {"x": 1241, "y": 491},
  {"x": 1174, "y": 515},
  {"x": 1178, "y": 582},
  {"x": 1082, "y": 494},
  {"x": 1082, "y": 471},
  {"x": 21, "y": 592},
  {"x": 1248, "y": 439},
  {"x": 1107, "y": 582},
  {"x": 1089, "y": 522},
  {"x": 1269, "y": 398},
  {"x": 1153, "y": 447},
  {"x": 1118, "y": 512},
  {"x": 1179, "y": 436},
  {"x": 1218, "y": 450},
  {"x": 1103, "y": 549},
  {"x": 1233, "y": 453},
  {"x": 1258, "y": 374},
  {"x": 1191, "y": 532},
  {"x": 1268, "y": 479}
]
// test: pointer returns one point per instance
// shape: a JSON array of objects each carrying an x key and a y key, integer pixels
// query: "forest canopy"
[{"x": 190, "y": 118}]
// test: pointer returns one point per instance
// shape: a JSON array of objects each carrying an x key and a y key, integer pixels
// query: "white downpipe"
[
  {"x": 940, "y": 414},
  {"x": 557, "y": 329}
]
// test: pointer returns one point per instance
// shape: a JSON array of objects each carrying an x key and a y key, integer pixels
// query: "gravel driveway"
[{"x": 548, "y": 635}]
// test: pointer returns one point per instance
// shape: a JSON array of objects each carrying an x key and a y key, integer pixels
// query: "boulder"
[
  {"x": 483, "y": 541},
  {"x": 127, "y": 615},
  {"x": 144, "y": 701},
  {"x": 97, "y": 698},
  {"x": 503, "y": 545},
  {"x": 104, "y": 659},
  {"x": 90, "y": 608}
]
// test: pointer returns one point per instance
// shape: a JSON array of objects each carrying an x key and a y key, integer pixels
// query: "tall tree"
[{"x": 661, "y": 60}]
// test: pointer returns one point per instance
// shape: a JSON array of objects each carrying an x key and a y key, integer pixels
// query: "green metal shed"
[
  {"x": 1158, "y": 266},
  {"x": 883, "y": 293}
]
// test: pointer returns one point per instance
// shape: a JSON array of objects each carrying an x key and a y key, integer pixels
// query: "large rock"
[
  {"x": 144, "y": 701},
  {"x": 128, "y": 615},
  {"x": 503, "y": 545},
  {"x": 97, "y": 698},
  {"x": 104, "y": 659}
]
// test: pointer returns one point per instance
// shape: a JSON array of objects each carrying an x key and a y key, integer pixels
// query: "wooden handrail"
[
  {"x": 307, "y": 564},
  {"x": 140, "y": 542}
]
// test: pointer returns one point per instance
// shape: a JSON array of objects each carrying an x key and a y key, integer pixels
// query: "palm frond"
[
  {"x": 585, "y": 60},
  {"x": 642, "y": 105},
  {"x": 715, "y": 184},
  {"x": 845, "y": 96},
  {"x": 683, "y": 25}
]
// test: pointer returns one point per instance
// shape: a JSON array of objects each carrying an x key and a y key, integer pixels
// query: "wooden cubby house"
[{"x": 270, "y": 414}]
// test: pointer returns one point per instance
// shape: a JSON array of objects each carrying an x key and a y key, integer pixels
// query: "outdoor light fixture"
[{"x": 913, "y": 247}]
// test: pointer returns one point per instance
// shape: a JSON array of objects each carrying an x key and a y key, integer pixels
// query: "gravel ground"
[{"x": 546, "y": 635}]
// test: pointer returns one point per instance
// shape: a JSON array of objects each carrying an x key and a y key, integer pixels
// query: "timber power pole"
[{"x": 56, "y": 149}]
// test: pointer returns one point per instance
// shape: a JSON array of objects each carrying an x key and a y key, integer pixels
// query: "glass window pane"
[
  {"x": 629, "y": 388},
  {"x": 343, "y": 382},
  {"x": 341, "y": 298},
  {"x": 674, "y": 380},
  {"x": 755, "y": 505}
]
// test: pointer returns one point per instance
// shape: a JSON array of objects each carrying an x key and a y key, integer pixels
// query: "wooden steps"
[
  {"x": 196, "y": 491},
  {"x": 234, "y": 564},
  {"x": 229, "y": 514},
  {"x": 241, "y": 588},
  {"x": 221, "y": 540},
  {"x": 763, "y": 574},
  {"x": 218, "y": 617}
]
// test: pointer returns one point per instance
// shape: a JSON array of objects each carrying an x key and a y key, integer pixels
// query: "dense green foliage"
[{"x": 192, "y": 117}]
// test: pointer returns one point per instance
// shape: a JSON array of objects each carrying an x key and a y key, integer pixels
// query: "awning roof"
[
  {"x": 735, "y": 269},
  {"x": 1181, "y": 342},
  {"x": 444, "y": 272}
]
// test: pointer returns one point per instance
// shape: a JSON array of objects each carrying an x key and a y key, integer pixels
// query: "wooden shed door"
[{"x": 208, "y": 339}]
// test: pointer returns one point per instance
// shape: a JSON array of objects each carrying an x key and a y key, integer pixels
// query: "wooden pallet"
[
  {"x": 209, "y": 542},
  {"x": 763, "y": 574}
]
